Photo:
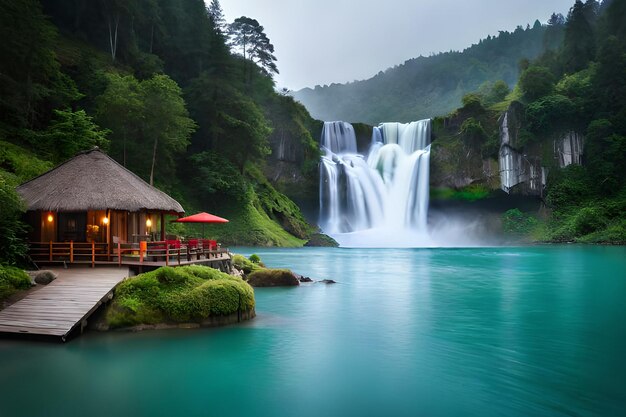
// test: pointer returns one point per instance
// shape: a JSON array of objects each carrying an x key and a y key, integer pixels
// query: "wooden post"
[
  {"x": 119, "y": 254},
  {"x": 93, "y": 253},
  {"x": 50, "y": 253},
  {"x": 143, "y": 248},
  {"x": 71, "y": 251},
  {"x": 108, "y": 226},
  {"x": 167, "y": 254},
  {"x": 162, "y": 226},
  {"x": 178, "y": 256}
]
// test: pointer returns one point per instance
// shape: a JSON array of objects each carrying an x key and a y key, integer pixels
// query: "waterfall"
[{"x": 381, "y": 198}]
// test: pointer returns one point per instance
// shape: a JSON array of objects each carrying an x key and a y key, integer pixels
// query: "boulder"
[
  {"x": 321, "y": 240},
  {"x": 43, "y": 277},
  {"x": 273, "y": 278}
]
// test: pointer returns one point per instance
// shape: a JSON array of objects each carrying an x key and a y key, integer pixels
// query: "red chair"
[
  {"x": 208, "y": 246},
  {"x": 193, "y": 249},
  {"x": 174, "y": 244}
]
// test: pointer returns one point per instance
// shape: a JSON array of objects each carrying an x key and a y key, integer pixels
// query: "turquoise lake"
[{"x": 520, "y": 331}]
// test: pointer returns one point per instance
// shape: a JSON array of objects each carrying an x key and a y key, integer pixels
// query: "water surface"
[{"x": 533, "y": 331}]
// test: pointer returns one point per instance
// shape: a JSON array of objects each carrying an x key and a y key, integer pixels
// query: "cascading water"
[{"x": 379, "y": 199}]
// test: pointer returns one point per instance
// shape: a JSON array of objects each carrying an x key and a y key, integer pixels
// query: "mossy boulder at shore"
[
  {"x": 245, "y": 265},
  {"x": 321, "y": 240},
  {"x": 187, "y": 294},
  {"x": 273, "y": 278}
]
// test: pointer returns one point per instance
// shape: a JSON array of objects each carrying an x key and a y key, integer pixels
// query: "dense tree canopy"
[{"x": 166, "y": 90}]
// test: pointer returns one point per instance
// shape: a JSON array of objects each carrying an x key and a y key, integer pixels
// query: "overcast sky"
[{"x": 327, "y": 41}]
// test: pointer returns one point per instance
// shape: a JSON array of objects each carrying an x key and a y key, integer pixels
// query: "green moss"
[
  {"x": 183, "y": 294},
  {"x": 472, "y": 192},
  {"x": 12, "y": 280}
]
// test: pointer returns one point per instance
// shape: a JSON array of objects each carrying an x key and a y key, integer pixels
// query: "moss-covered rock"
[
  {"x": 178, "y": 295},
  {"x": 246, "y": 265},
  {"x": 321, "y": 240},
  {"x": 273, "y": 278}
]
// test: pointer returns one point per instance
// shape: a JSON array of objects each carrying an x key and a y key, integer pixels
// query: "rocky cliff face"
[
  {"x": 524, "y": 167},
  {"x": 292, "y": 165},
  {"x": 520, "y": 168},
  {"x": 521, "y": 171}
]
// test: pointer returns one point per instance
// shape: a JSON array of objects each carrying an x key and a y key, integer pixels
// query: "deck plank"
[{"x": 63, "y": 304}]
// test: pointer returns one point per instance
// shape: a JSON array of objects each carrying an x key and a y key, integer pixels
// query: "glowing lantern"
[{"x": 50, "y": 218}]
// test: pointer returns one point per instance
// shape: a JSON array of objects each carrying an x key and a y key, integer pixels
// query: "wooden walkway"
[{"x": 56, "y": 309}]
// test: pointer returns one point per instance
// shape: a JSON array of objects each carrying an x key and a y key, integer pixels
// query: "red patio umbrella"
[{"x": 201, "y": 218}]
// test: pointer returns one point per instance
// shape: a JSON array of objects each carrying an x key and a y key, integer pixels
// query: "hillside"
[
  {"x": 159, "y": 87},
  {"x": 430, "y": 86},
  {"x": 559, "y": 137}
]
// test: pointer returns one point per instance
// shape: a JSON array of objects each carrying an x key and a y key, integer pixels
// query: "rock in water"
[
  {"x": 328, "y": 281},
  {"x": 273, "y": 278}
]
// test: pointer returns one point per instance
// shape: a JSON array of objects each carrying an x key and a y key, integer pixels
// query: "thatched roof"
[{"x": 93, "y": 181}]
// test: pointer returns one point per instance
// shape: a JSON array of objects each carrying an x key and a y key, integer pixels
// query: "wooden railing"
[
  {"x": 72, "y": 252},
  {"x": 170, "y": 251}
]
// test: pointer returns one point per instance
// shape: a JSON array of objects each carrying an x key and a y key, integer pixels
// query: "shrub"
[
  {"x": 12, "y": 230},
  {"x": 254, "y": 258},
  {"x": 240, "y": 262},
  {"x": 569, "y": 187},
  {"x": 551, "y": 114},
  {"x": 588, "y": 220},
  {"x": 517, "y": 223},
  {"x": 11, "y": 280}
]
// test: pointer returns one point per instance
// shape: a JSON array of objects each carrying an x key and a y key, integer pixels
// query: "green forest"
[
  {"x": 170, "y": 90},
  {"x": 188, "y": 102},
  {"x": 430, "y": 86},
  {"x": 580, "y": 86}
]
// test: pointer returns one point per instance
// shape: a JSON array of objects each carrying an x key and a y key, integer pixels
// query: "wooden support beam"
[
  {"x": 162, "y": 226},
  {"x": 71, "y": 251}
]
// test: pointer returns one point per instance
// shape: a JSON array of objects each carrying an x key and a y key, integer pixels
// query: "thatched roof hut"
[{"x": 94, "y": 181}]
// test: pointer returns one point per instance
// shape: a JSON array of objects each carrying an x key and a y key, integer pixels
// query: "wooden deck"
[{"x": 56, "y": 309}]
